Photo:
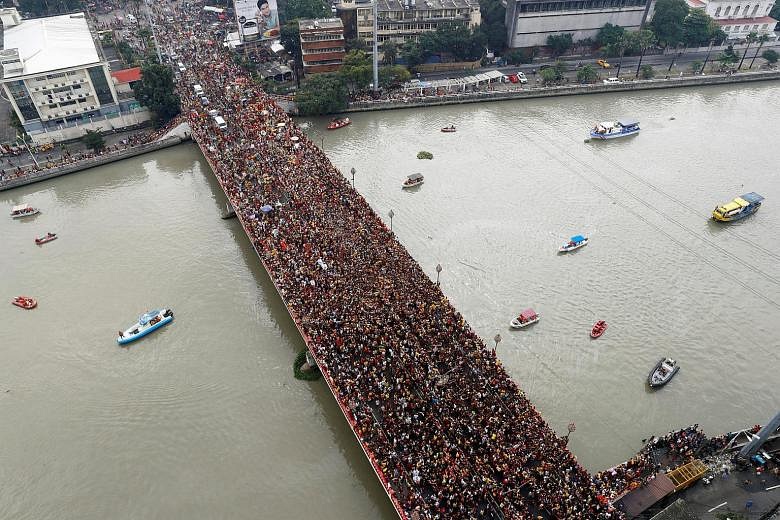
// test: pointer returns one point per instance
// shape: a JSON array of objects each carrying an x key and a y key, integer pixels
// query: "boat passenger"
[{"x": 121, "y": 335}]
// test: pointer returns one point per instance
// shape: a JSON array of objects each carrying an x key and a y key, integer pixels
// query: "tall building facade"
[
  {"x": 55, "y": 78},
  {"x": 739, "y": 18},
  {"x": 530, "y": 22},
  {"x": 322, "y": 44},
  {"x": 402, "y": 20}
]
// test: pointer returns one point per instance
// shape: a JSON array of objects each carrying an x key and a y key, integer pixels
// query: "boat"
[
  {"x": 25, "y": 302},
  {"x": 448, "y": 129},
  {"x": 23, "y": 210},
  {"x": 413, "y": 180},
  {"x": 614, "y": 129},
  {"x": 598, "y": 329},
  {"x": 663, "y": 372},
  {"x": 526, "y": 318},
  {"x": 338, "y": 123},
  {"x": 48, "y": 237},
  {"x": 575, "y": 242},
  {"x": 738, "y": 208},
  {"x": 147, "y": 323}
]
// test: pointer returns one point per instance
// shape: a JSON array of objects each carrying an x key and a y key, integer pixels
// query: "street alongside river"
[{"x": 204, "y": 419}]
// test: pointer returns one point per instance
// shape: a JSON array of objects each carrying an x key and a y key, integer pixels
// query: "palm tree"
[
  {"x": 621, "y": 44},
  {"x": 761, "y": 41},
  {"x": 753, "y": 36},
  {"x": 389, "y": 52},
  {"x": 644, "y": 40}
]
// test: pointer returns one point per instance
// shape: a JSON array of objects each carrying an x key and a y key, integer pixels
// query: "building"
[
  {"x": 57, "y": 81},
  {"x": 740, "y": 18},
  {"x": 402, "y": 20},
  {"x": 530, "y": 22},
  {"x": 322, "y": 44}
]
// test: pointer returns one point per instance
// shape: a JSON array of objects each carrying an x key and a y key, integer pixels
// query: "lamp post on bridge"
[
  {"x": 438, "y": 272},
  {"x": 570, "y": 429},
  {"x": 352, "y": 171},
  {"x": 391, "y": 214}
]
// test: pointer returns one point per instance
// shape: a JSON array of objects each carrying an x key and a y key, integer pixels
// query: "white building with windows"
[
  {"x": 530, "y": 22},
  {"x": 740, "y": 18},
  {"x": 56, "y": 79}
]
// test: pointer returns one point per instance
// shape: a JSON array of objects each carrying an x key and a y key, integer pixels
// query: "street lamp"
[
  {"x": 497, "y": 339},
  {"x": 571, "y": 428},
  {"x": 390, "y": 214},
  {"x": 24, "y": 140},
  {"x": 438, "y": 272},
  {"x": 352, "y": 171}
]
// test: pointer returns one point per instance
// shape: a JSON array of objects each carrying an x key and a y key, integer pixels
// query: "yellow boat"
[{"x": 738, "y": 208}]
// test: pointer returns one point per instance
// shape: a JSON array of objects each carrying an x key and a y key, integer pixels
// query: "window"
[
  {"x": 755, "y": 10},
  {"x": 23, "y": 100},
  {"x": 755, "y": 27},
  {"x": 102, "y": 89},
  {"x": 727, "y": 28},
  {"x": 717, "y": 12},
  {"x": 728, "y": 10},
  {"x": 763, "y": 27},
  {"x": 746, "y": 28}
]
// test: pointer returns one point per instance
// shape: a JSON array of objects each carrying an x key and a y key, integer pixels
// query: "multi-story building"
[
  {"x": 740, "y": 18},
  {"x": 57, "y": 82},
  {"x": 402, "y": 20},
  {"x": 322, "y": 44},
  {"x": 530, "y": 22}
]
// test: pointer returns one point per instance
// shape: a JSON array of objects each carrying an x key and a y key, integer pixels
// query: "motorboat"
[
  {"x": 25, "y": 302},
  {"x": 338, "y": 123},
  {"x": 663, "y": 372},
  {"x": 48, "y": 237},
  {"x": 448, "y": 129},
  {"x": 413, "y": 180},
  {"x": 147, "y": 323},
  {"x": 525, "y": 318},
  {"x": 738, "y": 208},
  {"x": 575, "y": 242},
  {"x": 598, "y": 329},
  {"x": 615, "y": 129},
  {"x": 23, "y": 210}
]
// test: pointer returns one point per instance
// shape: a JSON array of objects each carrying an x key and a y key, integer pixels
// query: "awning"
[
  {"x": 267, "y": 208},
  {"x": 640, "y": 499},
  {"x": 528, "y": 314}
]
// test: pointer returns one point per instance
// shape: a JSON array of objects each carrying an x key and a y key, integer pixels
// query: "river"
[{"x": 204, "y": 420}]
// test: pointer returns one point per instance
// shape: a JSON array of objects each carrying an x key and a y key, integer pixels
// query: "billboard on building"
[{"x": 257, "y": 19}]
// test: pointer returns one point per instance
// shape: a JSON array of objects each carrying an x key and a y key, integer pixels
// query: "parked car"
[
  {"x": 603, "y": 64},
  {"x": 612, "y": 81},
  {"x": 521, "y": 77}
]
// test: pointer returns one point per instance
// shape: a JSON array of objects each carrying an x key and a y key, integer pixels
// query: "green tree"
[
  {"x": 771, "y": 56},
  {"x": 356, "y": 71},
  {"x": 648, "y": 72},
  {"x": 560, "y": 43},
  {"x": 127, "y": 53},
  {"x": 356, "y": 44},
  {"x": 643, "y": 40},
  {"x": 762, "y": 39},
  {"x": 587, "y": 74},
  {"x": 290, "y": 38},
  {"x": 455, "y": 40},
  {"x": 549, "y": 76},
  {"x": 696, "y": 66},
  {"x": 322, "y": 94},
  {"x": 609, "y": 35},
  {"x": 515, "y": 57},
  {"x": 668, "y": 21},
  {"x": 413, "y": 54},
  {"x": 699, "y": 29},
  {"x": 155, "y": 90},
  {"x": 389, "y": 52},
  {"x": 306, "y": 9},
  {"x": 393, "y": 76},
  {"x": 728, "y": 57},
  {"x": 492, "y": 13},
  {"x": 775, "y": 12},
  {"x": 751, "y": 38},
  {"x": 94, "y": 140}
]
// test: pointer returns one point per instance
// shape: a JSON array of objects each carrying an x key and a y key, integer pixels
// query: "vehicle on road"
[
  {"x": 603, "y": 64},
  {"x": 521, "y": 77},
  {"x": 611, "y": 81}
]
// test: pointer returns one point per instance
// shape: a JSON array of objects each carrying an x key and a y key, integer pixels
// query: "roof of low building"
[
  {"x": 52, "y": 43},
  {"x": 400, "y": 5},
  {"x": 746, "y": 21},
  {"x": 320, "y": 23},
  {"x": 127, "y": 75}
]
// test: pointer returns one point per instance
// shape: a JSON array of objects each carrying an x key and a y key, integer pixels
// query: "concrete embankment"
[
  {"x": 566, "y": 90},
  {"x": 85, "y": 164}
]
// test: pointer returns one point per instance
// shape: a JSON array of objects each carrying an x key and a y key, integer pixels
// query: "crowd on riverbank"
[{"x": 451, "y": 433}]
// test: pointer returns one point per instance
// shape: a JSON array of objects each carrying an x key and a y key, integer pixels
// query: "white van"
[
  {"x": 181, "y": 66},
  {"x": 612, "y": 81},
  {"x": 198, "y": 90},
  {"x": 221, "y": 124}
]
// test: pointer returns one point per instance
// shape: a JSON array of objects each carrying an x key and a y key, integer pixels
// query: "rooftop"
[
  {"x": 53, "y": 43},
  {"x": 401, "y": 5},
  {"x": 127, "y": 75},
  {"x": 320, "y": 23}
]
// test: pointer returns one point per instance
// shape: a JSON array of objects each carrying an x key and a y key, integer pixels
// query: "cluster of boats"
[{"x": 147, "y": 323}]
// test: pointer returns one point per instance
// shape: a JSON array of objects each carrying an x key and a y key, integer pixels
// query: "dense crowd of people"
[{"x": 448, "y": 430}]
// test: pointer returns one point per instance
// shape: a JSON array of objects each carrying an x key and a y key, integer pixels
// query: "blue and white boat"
[
  {"x": 147, "y": 323},
  {"x": 575, "y": 242},
  {"x": 614, "y": 129}
]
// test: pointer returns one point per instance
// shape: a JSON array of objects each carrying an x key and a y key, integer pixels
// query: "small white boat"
[
  {"x": 23, "y": 210},
  {"x": 526, "y": 318},
  {"x": 575, "y": 242},
  {"x": 615, "y": 129},
  {"x": 148, "y": 322},
  {"x": 663, "y": 372},
  {"x": 413, "y": 180}
]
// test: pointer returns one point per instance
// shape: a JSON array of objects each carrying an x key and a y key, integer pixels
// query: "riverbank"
[
  {"x": 565, "y": 90},
  {"x": 91, "y": 162}
]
